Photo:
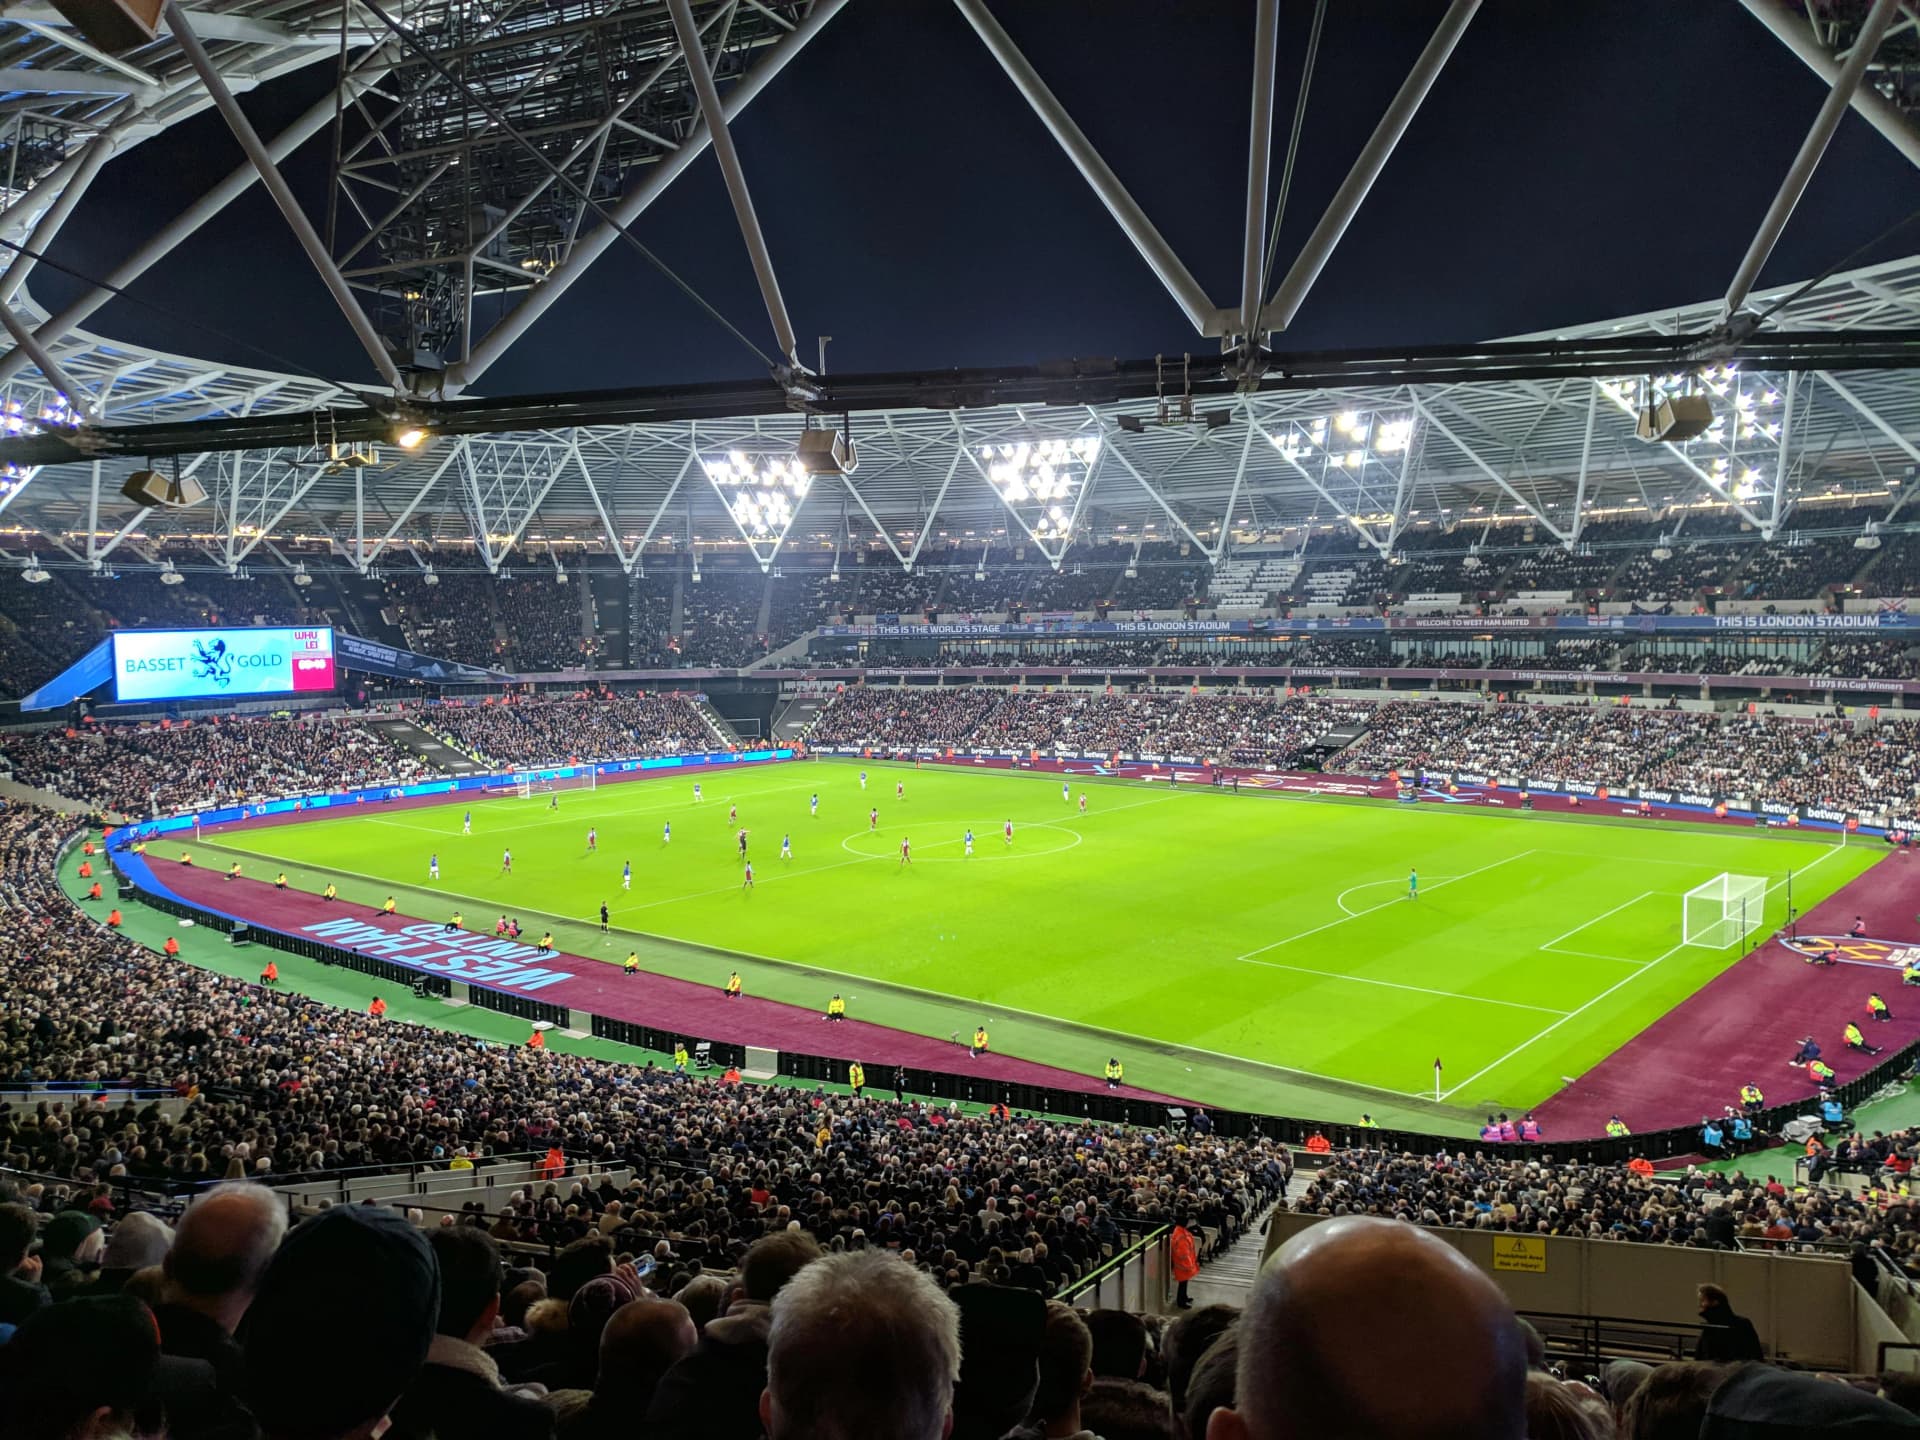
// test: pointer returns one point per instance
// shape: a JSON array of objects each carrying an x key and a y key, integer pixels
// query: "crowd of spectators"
[
  {"x": 882, "y": 587},
  {"x": 152, "y": 768},
  {"x": 542, "y": 621},
  {"x": 1796, "y": 760},
  {"x": 711, "y": 1192},
  {"x": 1699, "y": 1208},
  {"x": 555, "y": 730},
  {"x": 452, "y": 618},
  {"x": 721, "y": 619}
]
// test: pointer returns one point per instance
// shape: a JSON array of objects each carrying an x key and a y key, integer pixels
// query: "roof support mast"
[
  {"x": 730, "y": 171},
  {"x": 1153, "y": 247},
  {"x": 1373, "y": 159},
  {"x": 1845, "y": 85},
  {"x": 1792, "y": 30},
  {"x": 283, "y": 196},
  {"x": 1266, "y": 49}
]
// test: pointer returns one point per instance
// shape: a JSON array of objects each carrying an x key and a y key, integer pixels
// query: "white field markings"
[
  {"x": 1346, "y": 979},
  {"x": 573, "y": 818},
  {"x": 1368, "y": 910},
  {"x": 802, "y": 874},
  {"x": 1617, "y": 985},
  {"x": 1552, "y": 946},
  {"x": 990, "y": 1009}
]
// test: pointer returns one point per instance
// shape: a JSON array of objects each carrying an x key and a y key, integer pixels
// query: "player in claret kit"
[
  {"x": 733, "y": 814},
  {"x": 506, "y": 862},
  {"x": 593, "y": 839},
  {"x": 1006, "y": 833},
  {"x": 747, "y": 884},
  {"x": 906, "y": 851},
  {"x": 1083, "y": 802},
  {"x": 873, "y": 821},
  {"x": 899, "y": 789}
]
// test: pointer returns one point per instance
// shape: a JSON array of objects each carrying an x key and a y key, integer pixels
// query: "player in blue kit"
[
  {"x": 786, "y": 847},
  {"x": 813, "y": 805},
  {"x": 466, "y": 825},
  {"x": 666, "y": 833},
  {"x": 969, "y": 844},
  {"x": 626, "y": 875}
]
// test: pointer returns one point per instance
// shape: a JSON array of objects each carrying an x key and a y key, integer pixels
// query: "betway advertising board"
[{"x": 222, "y": 664}]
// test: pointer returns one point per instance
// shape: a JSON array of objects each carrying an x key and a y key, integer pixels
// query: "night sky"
[{"x": 1575, "y": 160}]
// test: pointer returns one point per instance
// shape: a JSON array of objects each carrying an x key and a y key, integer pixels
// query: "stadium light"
[
  {"x": 1042, "y": 483},
  {"x": 762, "y": 493}
]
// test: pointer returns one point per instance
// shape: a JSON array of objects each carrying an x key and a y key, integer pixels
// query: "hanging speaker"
[
  {"x": 152, "y": 490},
  {"x": 113, "y": 25}
]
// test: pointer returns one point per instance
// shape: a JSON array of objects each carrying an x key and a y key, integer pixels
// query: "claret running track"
[{"x": 1250, "y": 950}]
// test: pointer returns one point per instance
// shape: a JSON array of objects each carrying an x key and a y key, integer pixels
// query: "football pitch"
[{"x": 1256, "y": 951}]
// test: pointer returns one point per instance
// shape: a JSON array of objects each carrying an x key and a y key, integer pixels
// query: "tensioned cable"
[
  {"x": 1293, "y": 142},
  {"x": 121, "y": 293},
  {"x": 1838, "y": 265}
]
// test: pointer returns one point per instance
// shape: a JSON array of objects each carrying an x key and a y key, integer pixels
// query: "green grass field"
[{"x": 1249, "y": 948}]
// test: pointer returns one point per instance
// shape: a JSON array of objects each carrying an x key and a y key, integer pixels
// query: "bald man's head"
[
  {"x": 1363, "y": 1328},
  {"x": 646, "y": 1337}
]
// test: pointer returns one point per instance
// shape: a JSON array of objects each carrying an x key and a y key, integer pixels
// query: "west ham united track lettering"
[{"x": 478, "y": 958}]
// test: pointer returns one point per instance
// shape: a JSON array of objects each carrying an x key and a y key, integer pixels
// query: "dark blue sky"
[{"x": 1575, "y": 160}]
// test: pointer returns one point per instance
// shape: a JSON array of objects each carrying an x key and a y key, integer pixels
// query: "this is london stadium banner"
[{"x": 1890, "y": 622}]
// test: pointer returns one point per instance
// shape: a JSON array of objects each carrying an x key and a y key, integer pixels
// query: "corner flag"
[{"x": 1436, "y": 1077}]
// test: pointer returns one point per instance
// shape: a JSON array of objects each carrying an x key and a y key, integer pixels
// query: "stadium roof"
[{"x": 1382, "y": 459}]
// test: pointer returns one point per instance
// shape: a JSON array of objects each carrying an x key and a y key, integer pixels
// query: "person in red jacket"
[
  {"x": 1186, "y": 1260},
  {"x": 94, "y": 892},
  {"x": 113, "y": 920},
  {"x": 172, "y": 948},
  {"x": 537, "y": 1040},
  {"x": 378, "y": 1009}
]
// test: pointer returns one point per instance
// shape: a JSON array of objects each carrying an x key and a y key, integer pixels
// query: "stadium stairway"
[
  {"x": 793, "y": 650},
  {"x": 795, "y": 714},
  {"x": 725, "y": 734},
  {"x": 424, "y": 745},
  {"x": 1228, "y": 1278}
]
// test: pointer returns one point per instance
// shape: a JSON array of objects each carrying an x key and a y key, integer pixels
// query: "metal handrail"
[{"x": 1070, "y": 1291}]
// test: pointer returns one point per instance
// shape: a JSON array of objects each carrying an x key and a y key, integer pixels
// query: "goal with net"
[
  {"x": 536, "y": 783},
  {"x": 1724, "y": 911}
]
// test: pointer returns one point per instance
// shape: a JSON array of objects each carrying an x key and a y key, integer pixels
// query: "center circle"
[{"x": 946, "y": 844}]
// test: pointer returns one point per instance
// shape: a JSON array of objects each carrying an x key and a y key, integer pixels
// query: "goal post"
[
  {"x": 1724, "y": 911},
  {"x": 529, "y": 784}
]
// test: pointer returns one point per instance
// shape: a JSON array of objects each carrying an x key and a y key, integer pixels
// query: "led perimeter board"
[{"x": 221, "y": 664}]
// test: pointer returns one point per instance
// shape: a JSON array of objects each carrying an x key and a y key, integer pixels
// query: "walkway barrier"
[
  {"x": 1136, "y": 1279},
  {"x": 1802, "y": 1305}
]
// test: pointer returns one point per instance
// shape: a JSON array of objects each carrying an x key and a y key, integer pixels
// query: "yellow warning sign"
[{"x": 1516, "y": 1252}]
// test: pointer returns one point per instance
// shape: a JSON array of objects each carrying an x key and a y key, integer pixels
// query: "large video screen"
[{"x": 219, "y": 664}]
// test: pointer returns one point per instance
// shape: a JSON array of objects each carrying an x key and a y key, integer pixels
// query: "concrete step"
[
  {"x": 1228, "y": 1279},
  {"x": 424, "y": 744}
]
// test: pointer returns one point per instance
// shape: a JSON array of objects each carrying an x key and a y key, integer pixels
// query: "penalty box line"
[
  {"x": 1533, "y": 1040},
  {"x": 1356, "y": 914}
]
